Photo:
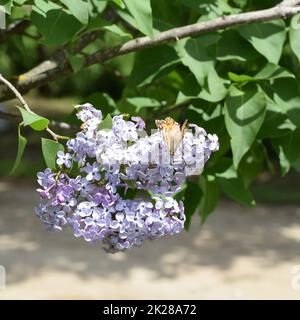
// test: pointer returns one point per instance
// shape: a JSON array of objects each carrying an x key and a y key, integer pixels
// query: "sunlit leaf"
[
  {"x": 106, "y": 123},
  {"x": 79, "y": 9},
  {"x": 33, "y": 120},
  {"x": 50, "y": 149},
  {"x": 57, "y": 26},
  {"x": 266, "y": 37},
  {"x": 244, "y": 115},
  {"x": 142, "y": 13}
]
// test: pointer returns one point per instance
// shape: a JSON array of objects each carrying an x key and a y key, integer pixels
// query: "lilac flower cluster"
[{"x": 90, "y": 189}]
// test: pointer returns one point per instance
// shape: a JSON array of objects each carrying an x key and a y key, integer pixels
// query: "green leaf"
[
  {"x": 192, "y": 197},
  {"x": 273, "y": 125},
  {"x": 143, "y": 102},
  {"x": 198, "y": 54},
  {"x": 235, "y": 189},
  {"x": 219, "y": 166},
  {"x": 284, "y": 162},
  {"x": 43, "y": 6},
  {"x": 233, "y": 47},
  {"x": 142, "y": 13},
  {"x": 102, "y": 24},
  {"x": 244, "y": 115},
  {"x": 50, "y": 149},
  {"x": 106, "y": 123},
  {"x": 268, "y": 161},
  {"x": 252, "y": 164},
  {"x": 296, "y": 165},
  {"x": 119, "y": 3},
  {"x": 208, "y": 7},
  {"x": 240, "y": 78},
  {"x": 190, "y": 89},
  {"x": 240, "y": 3},
  {"x": 117, "y": 30},
  {"x": 6, "y": 4},
  {"x": 229, "y": 173},
  {"x": 288, "y": 149},
  {"x": 267, "y": 38},
  {"x": 215, "y": 89},
  {"x": 56, "y": 26},
  {"x": 33, "y": 120},
  {"x": 128, "y": 194},
  {"x": 210, "y": 198},
  {"x": 20, "y": 2},
  {"x": 21, "y": 147},
  {"x": 96, "y": 7},
  {"x": 152, "y": 63},
  {"x": 294, "y": 36},
  {"x": 272, "y": 71},
  {"x": 216, "y": 124},
  {"x": 286, "y": 95},
  {"x": 269, "y": 72},
  {"x": 127, "y": 17},
  {"x": 76, "y": 61},
  {"x": 79, "y": 9}
]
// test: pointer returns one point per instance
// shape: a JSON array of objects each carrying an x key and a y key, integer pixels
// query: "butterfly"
[{"x": 172, "y": 132}]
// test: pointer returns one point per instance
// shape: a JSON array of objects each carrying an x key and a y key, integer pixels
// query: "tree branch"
[
  {"x": 86, "y": 39},
  {"x": 58, "y": 66},
  {"x": 49, "y": 70},
  {"x": 16, "y": 27}
]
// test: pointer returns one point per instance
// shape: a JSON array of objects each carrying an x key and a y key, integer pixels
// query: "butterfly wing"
[{"x": 172, "y": 133}]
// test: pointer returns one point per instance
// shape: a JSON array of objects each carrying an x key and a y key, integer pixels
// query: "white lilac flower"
[
  {"x": 213, "y": 142},
  {"x": 87, "y": 112},
  {"x": 84, "y": 209},
  {"x": 104, "y": 139},
  {"x": 129, "y": 132},
  {"x": 64, "y": 159},
  {"x": 122, "y": 158}
]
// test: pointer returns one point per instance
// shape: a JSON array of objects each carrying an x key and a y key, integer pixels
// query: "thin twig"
[
  {"x": 56, "y": 136},
  {"x": 16, "y": 92},
  {"x": 25, "y": 105}
]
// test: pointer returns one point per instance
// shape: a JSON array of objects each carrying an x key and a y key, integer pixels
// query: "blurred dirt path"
[{"x": 238, "y": 254}]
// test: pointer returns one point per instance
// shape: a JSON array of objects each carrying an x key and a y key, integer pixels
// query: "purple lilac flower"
[
  {"x": 127, "y": 158},
  {"x": 46, "y": 178},
  {"x": 93, "y": 171},
  {"x": 139, "y": 122}
]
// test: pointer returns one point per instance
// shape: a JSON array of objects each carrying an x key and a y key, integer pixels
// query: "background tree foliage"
[{"x": 241, "y": 83}]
